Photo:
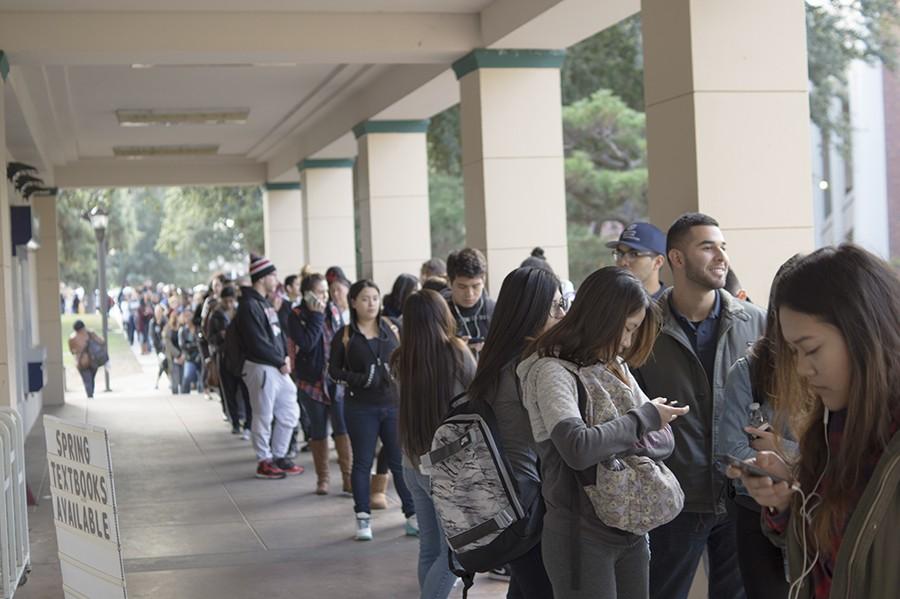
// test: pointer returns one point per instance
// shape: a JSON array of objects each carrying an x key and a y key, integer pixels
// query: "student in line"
[
  {"x": 838, "y": 381},
  {"x": 432, "y": 367},
  {"x": 611, "y": 324}
]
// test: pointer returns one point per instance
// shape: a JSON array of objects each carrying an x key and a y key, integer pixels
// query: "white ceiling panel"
[{"x": 412, "y": 6}]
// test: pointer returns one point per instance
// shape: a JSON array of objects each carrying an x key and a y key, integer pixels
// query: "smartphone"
[
  {"x": 474, "y": 340},
  {"x": 750, "y": 469},
  {"x": 310, "y": 298}
]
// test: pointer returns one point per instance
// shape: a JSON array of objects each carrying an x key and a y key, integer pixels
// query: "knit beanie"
[{"x": 260, "y": 266}]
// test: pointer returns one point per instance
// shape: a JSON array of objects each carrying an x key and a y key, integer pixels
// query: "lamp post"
[{"x": 99, "y": 220}]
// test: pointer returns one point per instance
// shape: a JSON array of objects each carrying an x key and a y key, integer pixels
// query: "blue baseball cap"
[{"x": 643, "y": 237}]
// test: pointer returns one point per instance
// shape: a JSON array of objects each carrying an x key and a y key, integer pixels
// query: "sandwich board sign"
[{"x": 84, "y": 510}]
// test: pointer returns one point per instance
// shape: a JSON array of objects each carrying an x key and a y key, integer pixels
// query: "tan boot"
[
  {"x": 320, "y": 459},
  {"x": 378, "y": 497},
  {"x": 345, "y": 460}
]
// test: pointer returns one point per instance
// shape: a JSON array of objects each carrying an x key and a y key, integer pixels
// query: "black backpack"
[
  {"x": 234, "y": 353},
  {"x": 490, "y": 515}
]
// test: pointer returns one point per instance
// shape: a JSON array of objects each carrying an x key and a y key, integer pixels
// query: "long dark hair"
[
  {"x": 520, "y": 314},
  {"x": 592, "y": 329},
  {"x": 404, "y": 286},
  {"x": 858, "y": 293},
  {"x": 355, "y": 290},
  {"x": 762, "y": 354},
  {"x": 427, "y": 364}
]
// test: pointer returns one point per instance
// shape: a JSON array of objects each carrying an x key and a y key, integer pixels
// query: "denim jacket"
[{"x": 732, "y": 438}]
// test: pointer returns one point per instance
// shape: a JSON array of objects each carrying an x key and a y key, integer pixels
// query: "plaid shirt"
[{"x": 319, "y": 391}]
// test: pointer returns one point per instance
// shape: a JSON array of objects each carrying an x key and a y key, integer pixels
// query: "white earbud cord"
[{"x": 806, "y": 513}]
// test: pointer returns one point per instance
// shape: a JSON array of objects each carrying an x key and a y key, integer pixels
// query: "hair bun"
[{"x": 538, "y": 252}]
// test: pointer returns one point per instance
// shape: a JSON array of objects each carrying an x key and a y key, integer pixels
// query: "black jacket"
[
  {"x": 215, "y": 329},
  {"x": 306, "y": 328},
  {"x": 259, "y": 329},
  {"x": 363, "y": 370}
]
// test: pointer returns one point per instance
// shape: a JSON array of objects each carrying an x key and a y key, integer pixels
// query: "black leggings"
[
  {"x": 528, "y": 578},
  {"x": 761, "y": 562}
]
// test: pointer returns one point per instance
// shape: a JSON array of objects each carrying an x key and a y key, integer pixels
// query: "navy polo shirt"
[{"x": 703, "y": 335}]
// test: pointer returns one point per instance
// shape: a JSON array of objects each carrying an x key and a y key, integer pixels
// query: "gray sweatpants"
[
  {"x": 608, "y": 571},
  {"x": 272, "y": 395}
]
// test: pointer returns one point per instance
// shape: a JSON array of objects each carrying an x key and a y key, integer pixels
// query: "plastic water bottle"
[{"x": 757, "y": 419}]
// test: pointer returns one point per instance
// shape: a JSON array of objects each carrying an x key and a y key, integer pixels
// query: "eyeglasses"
[
  {"x": 559, "y": 308},
  {"x": 630, "y": 255}
]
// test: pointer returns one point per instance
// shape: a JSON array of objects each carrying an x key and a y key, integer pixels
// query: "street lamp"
[{"x": 99, "y": 220}]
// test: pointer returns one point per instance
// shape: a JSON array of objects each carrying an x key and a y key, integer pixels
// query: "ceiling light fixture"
[
  {"x": 169, "y": 118},
  {"x": 165, "y": 151}
]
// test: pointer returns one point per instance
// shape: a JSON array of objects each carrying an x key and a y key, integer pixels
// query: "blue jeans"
[
  {"x": 365, "y": 424},
  {"x": 435, "y": 579},
  {"x": 190, "y": 375},
  {"x": 87, "y": 377},
  {"x": 676, "y": 548},
  {"x": 319, "y": 414}
]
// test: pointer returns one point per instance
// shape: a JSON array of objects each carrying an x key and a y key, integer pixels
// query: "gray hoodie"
[{"x": 565, "y": 442}]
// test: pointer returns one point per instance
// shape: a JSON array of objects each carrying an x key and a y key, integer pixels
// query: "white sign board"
[{"x": 84, "y": 510}]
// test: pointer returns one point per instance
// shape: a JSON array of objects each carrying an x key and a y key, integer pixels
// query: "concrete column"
[
  {"x": 8, "y": 360},
  {"x": 511, "y": 113},
  {"x": 392, "y": 199},
  {"x": 728, "y": 125},
  {"x": 48, "y": 313},
  {"x": 330, "y": 234},
  {"x": 283, "y": 226}
]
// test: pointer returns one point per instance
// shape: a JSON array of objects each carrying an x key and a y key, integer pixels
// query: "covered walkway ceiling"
[{"x": 306, "y": 71}]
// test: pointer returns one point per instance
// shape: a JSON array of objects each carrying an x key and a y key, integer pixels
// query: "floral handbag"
[{"x": 632, "y": 493}]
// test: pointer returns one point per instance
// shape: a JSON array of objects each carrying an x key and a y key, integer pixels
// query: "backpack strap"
[
  {"x": 392, "y": 326},
  {"x": 574, "y": 528},
  {"x": 468, "y": 578}
]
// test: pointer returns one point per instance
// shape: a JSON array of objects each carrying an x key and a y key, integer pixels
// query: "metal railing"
[{"x": 15, "y": 550}]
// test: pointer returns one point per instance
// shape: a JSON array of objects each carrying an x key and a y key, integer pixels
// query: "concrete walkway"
[{"x": 197, "y": 524}]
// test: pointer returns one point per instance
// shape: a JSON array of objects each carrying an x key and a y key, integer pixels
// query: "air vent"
[
  {"x": 155, "y": 151},
  {"x": 171, "y": 118}
]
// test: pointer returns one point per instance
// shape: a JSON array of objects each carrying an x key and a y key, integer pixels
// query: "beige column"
[
  {"x": 8, "y": 361},
  {"x": 329, "y": 233},
  {"x": 728, "y": 125},
  {"x": 49, "y": 325},
  {"x": 283, "y": 227},
  {"x": 392, "y": 199},
  {"x": 511, "y": 113}
]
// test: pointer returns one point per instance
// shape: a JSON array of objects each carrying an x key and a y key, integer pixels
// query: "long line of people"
[{"x": 634, "y": 386}]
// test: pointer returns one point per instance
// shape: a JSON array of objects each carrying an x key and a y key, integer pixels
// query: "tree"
[
  {"x": 210, "y": 225},
  {"x": 446, "y": 204}
]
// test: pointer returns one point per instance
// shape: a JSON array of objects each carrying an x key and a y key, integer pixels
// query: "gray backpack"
[{"x": 489, "y": 514}]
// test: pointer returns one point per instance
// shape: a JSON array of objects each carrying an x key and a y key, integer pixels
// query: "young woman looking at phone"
[{"x": 838, "y": 373}]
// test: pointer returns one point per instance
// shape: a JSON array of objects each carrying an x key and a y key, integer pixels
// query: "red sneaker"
[
  {"x": 266, "y": 469},
  {"x": 287, "y": 466}
]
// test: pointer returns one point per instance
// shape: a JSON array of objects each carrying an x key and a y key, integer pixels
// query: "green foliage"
[
  {"x": 446, "y": 203},
  {"x": 611, "y": 59},
  {"x": 839, "y": 32},
  {"x": 587, "y": 251},
  {"x": 444, "y": 142},
  {"x": 210, "y": 224},
  {"x": 77, "y": 243}
]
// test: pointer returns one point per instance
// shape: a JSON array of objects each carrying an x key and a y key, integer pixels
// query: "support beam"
[
  {"x": 154, "y": 172},
  {"x": 329, "y": 234},
  {"x": 256, "y": 37},
  {"x": 513, "y": 158},
  {"x": 728, "y": 125},
  {"x": 48, "y": 307},
  {"x": 283, "y": 227},
  {"x": 8, "y": 360},
  {"x": 392, "y": 199}
]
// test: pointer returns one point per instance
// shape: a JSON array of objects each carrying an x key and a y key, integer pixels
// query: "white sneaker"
[
  {"x": 246, "y": 434},
  {"x": 412, "y": 526},
  {"x": 363, "y": 527}
]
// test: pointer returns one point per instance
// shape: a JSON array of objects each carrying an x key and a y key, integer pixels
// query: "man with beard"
[{"x": 704, "y": 331}]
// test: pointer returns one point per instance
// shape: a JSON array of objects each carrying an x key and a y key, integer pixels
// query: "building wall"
[{"x": 891, "y": 95}]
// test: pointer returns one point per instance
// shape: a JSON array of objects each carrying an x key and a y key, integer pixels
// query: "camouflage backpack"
[{"x": 479, "y": 500}]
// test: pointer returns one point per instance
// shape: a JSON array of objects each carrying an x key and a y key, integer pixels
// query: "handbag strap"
[{"x": 574, "y": 529}]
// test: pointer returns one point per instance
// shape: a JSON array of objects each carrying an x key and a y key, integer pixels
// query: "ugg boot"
[
  {"x": 378, "y": 497},
  {"x": 320, "y": 459},
  {"x": 345, "y": 460}
]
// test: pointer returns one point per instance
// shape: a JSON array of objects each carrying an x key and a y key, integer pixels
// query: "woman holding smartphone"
[
  {"x": 611, "y": 324},
  {"x": 838, "y": 380},
  {"x": 312, "y": 325}
]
